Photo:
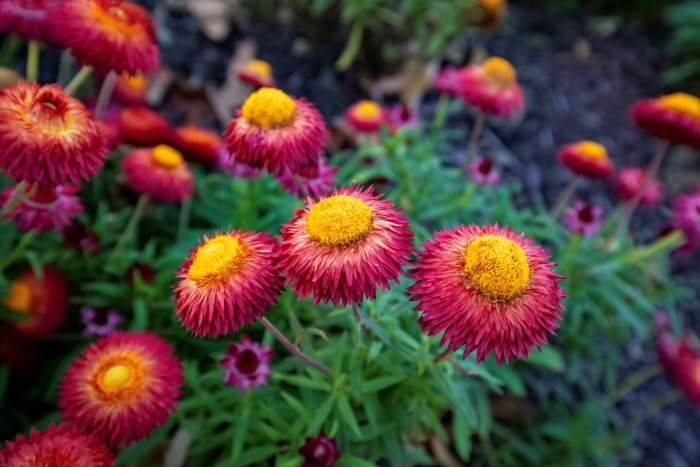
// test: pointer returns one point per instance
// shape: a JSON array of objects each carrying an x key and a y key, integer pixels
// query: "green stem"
[
  {"x": 18, "y": 195},
  {"x": 9, "y": 50},
  {"x": 64, "y": 67},
  {"x": 184, "y": 219},
  {"x": 441, "y": 110},
  {"x": 293, "y": 348},
  {"x": 18, "y": 250},
  {"x": 352, "y": 47},
  {"x": 474, "y": 138},
  {"x": 105, "y": 93},
  {"x": 565, "y": 196},
  {"x": 78, "y": 79},
  {"x": 33, "y": 60},
  {"x": 140, "y": 208},
  {"x": 632, "y": 382}
]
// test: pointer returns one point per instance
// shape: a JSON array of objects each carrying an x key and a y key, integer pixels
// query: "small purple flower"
[
  {"x": 583, "y": 218},
  {"x": 317, "y": 179},
  {"x": 482, "y": 171},
  {"x": 99, "y": 322},
  {"x": 319, "y": 452},
  {"x": 400, "y": 116},
  {"x": 686, "y": 218},
  {"x": 49, "y": 208},
  {"x": 144, "y": 270},
  {"x": 246, "y": 364},
  {"x": 227, "y": 163}
]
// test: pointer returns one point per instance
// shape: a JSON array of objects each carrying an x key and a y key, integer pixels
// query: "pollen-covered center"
[
  {"x": 118, "y": 376},
  {"x": 339, "y": 220},
  {"x": 269, "y": 108},
  {"x": 593, "y": 150},
  {"x": 20, "y": 298},
  {"x": 115, "y": 377},
  {"x": 492, "y": 7},
  {"x": 497, "y": 267},
  {"x": 682, "y": 102},
  {"x": 167, "y": 156},
  {"x": 115, "y": 19},
  {"x": 136, "y": 83},
  {"x": 499, "y": 71},
  {"x": 368, "y": 110},
  {"x": 259, "y": 67},
  {"x": 49, "y": 113},
  {"x": 217, "y": 259}
]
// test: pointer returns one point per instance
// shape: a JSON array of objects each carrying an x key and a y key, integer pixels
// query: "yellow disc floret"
[
  {"x": 492, "y": 7},
  {"x": 116, "y": 377},
  {"x": 216, "y": 260},
  {"x": 259, "y": 67},
  {"x": 20, "y": 298},
  {"x": 339, "y": 220},
  {"x": 167, "y": 156},
  {"x": 368, "y": 110},
  {"x": 499, "y": 71},
  {"x": 268, "y": 108},
  {"x": 592, "y": 150},
  {"x": 135, "y": 82},
  {"x": 682, "y": 102},
  {"x": 497, "y": 267}
]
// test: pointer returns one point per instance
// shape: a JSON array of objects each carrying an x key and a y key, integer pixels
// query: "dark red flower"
[{"x": 319, "y": 452}]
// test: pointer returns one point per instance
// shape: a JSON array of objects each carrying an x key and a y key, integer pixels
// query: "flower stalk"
[{"x": 294, "y": 349}]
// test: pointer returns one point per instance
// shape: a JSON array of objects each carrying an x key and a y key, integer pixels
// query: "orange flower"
[
  {"x": 198, "y": 144},
  {"x": 122, "y": 387},
  {"x": 43, "y": 299},
  {"x": 343, "y": 246},
  {"x": 675, "y": 117},
  {"x": 487, "y": 289},
  {"x": 586, "y": 158},
  {"x": 366, "y": 116},
  {"x": 275, "y": 131},
  {"x": 257, "y": 73},
  {"x": 492, "y": 87},
  {"x": 227, "y": 282},
  {"x": 160, "y": 172},
  {"x": 141, "y": 126},
  {"x": 47, "y": 136},
  {"x": 108, "y": 34}
]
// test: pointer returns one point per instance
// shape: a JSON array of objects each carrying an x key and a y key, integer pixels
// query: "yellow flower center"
[
  {"x": 269, "y": 108},
  {"x": 115, "y": 377},
  {"x": 339, "y": 220},
  {"x": 499, "y": 71},
  {"x": 20, "y": 298},
  {"x": 167, "y": 156},
  {"x": 259, "y": 67},
  {"x": 492, "y": 7},
  {"x": 136, "y": 83},
  {"x": 682, "y": 102},
  {"x": 593, "y": 150},
  {"x": 217, "y": 259},
  {"x": 368, "y": 110},
  {"x": 115, "y": 19},
  {"x": 497, "y": 267}
]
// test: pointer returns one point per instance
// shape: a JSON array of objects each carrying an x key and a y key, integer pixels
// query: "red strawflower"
[
  {"x": 366, "y": 116},
  {"x": 144, "y": 271},
  {"x": 108, "y": 34},
  {"x": 227, "y": 282},
  {"x": 109, "y": 132},
  {"x": 275, "y": 131},
  {"x": 583, "y": 218},
  {"x": 130, "y": 89},
  {"x": 57, "y": 446},
  {"x": 686, "y": 217},
  {"x": 47, "y": 209},
  {"x": 675, "y": 117},
  {"x": 586, "y": 158},
  {"x": 27, "y": 18},
  {"x": 47, "y": 136},
  {"x": 447, "y": 81},
  {"x": 160, "y": 172},
  {"x": 482, "y": 171},
  {"x": 679, "y": 358},
  {"x": 343, "y": 246},
  {"x": 317, "y": 179},
  {"x": 197, "y": 144},
  {"x": 492, "y": 88},
  {"x": 630, "y": 180},
  {"x": 77, "y": 236},
  {"x": 488, "y": 289},
  {"x": 321, "y": 451},
  {"x": 122, "y": 387},
  {"x": 227, "y": 163},
  {"x": 43, "y": 299},
  {"x": 141, "y": 126},
  {"x": 246, "y": 364},
  {"x": 257, "y": 73}
]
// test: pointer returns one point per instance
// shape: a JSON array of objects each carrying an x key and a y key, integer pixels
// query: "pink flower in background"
[
  {"x": 321, "y": 451},
  {"x": 228, "y": 163},
  {"x": 482, "y": 171},
  {"x": 447, "y": 80},
  {"x": 583, "y": 218},
  {"x": 99, "y": 322},
  {"x": 318, "y": 179},
  {"x": 629, "y": 181},
  {"x": 246, "y": 364},
  {"x": 77, "y": 236},
  {"x": 400, "y": 116},
  {"x": 686, "y": 218},
  {"x": 47, "y": 209}
]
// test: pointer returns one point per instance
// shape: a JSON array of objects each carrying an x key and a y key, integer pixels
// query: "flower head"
[
  {"x": 586, "y": 158},
  {"x": 108, "y": 34},
  {"x": 141, "y": 126},
  {"x": 275, "y": 131},
  {"x": 42, "y": 298},
  {"x": 77, "y": 236},
  {"x": 197, "y": 144},
  {"x": 320, "y": 451},
  {"x": 99, "y": 322},
  {"x": 47, "y": 209},
  {"x": 583, "y": 218},
  {"x": 488, "y": 289},
  {"x": 492, "y": 87},
  {"x": 343, "y": 246},
  {"x": 60, "y": 445},
  {"x": 159, "y": 172},
  {"x": 491, "y": 12},
  {"x": 144, "y": 271},
  {"x": 317, "y": 179},
  {"x": 47, "y": 136},
  {"x": 27, "y": 18},
  {"x": 482, "y": 171},
  {"x": 246, "y": 364},
  {"x": 400, "y": 116},
  {"x": 631, "y": 179},
  {"x": 680, "y": 359},
  {"x": 366, "y": 116},
  {"x": 227, "y": 163},
  {"x": 686, "y": 218},
  {"x": 227, "y": 282},
  {"x": 257, "y": 73},
  {"x": 446, "y": 81},
  {"x": 122, "y": 387},
  {"x": 130, "y": 89},
  {"x": 675, "y": 117}
]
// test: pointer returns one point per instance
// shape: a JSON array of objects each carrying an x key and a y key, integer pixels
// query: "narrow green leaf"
[
  {"x": 321, "y": 416},
  {"x": 347, "y": 414},
  {"x": 352, "y": 461},
  {"x": 383, "y": 382}
]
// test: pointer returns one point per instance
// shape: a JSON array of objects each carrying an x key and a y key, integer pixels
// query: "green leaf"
[
  {"x": 549, "y": 358},
  {"x": 462, "y": 436},
  {"x": 383, "y": 382},
  {"x": 352, "y": 461},
  {"x": 256, "y": 455},
  {"x": 347, "y": 414},
  {"x": 321, "y": 416},
  {"x": 140, "y": 320},
  {"x": 240, "y": 432}
]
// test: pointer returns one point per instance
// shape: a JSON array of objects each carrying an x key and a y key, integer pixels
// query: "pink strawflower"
[
  {"x": 246, "y": 364},
  {"x": 492, "y": 88},
  {"x": 680, "y": 358},
  {"x": 583, "y": 218},
  {"x": 629, "y": 181},
  {"x": 99, "y": 322},
  {"x": 482, "y": 171},
  {"x": 400, "y": 116},
  {"x": 686, "y": 218},
  {"x": 321, "y": 451},
  {"x": 447, "y": 80},
  {"x": 317, "y": 179},
  {"x": 47, "y": 209},
  {"x": 228, "y": 163}
]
